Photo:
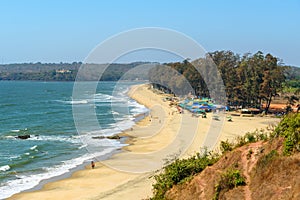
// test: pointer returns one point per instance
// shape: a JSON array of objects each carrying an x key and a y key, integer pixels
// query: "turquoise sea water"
[{"x": 43, "y": 110}]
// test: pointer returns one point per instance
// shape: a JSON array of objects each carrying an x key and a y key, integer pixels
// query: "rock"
[
  {"x": 23, "y": 137},
  {"x": 98, "y": 137},
  {"x": 114, "y": 137}
]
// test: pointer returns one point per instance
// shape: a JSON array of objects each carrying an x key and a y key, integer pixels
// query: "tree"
[
  {"x": 291, "y": 101},
  {"x": 272, "y": 80}
]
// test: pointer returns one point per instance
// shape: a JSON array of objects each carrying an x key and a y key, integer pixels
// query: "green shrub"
[
  {"x": 229, "y": 180},
  {"x": 261, "y": 135},
  {"x": 289, "y": 129},
  {"x": 180, "y": 171},
  {"x": 250, "y": 137},
  {"x": 226, "y": 146}
]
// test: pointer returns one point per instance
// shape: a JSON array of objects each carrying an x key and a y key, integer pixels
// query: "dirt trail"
[{"x": 249, "y": 160}]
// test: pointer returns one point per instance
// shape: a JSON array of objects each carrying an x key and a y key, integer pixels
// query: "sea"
[{"x": 44, "y": 111}]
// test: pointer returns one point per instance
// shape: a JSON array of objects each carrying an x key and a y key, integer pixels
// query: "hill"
[
  {"x": 68, "y": 71},
  {"x": 256, "y": 167}
]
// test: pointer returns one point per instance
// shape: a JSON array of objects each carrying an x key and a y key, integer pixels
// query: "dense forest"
[{"x": 249, "y": 80}]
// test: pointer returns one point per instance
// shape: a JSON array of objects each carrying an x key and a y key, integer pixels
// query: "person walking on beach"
[{"x": 93, "y": 164}]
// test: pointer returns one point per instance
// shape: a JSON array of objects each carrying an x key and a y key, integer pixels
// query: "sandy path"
[{"x": 151, "y": 141}]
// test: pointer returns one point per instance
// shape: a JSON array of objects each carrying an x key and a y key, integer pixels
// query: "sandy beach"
[{"x": 162, "y": 134}]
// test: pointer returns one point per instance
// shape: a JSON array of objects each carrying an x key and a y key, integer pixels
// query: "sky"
[{"x": 67, "y": 31}]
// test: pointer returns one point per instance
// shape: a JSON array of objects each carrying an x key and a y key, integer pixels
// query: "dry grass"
[{"x": 270, "y": 175}]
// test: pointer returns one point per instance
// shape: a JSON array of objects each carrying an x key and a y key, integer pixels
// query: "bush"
[
  {"x": 226, "y": 146},
  {"x": 229, "y": 180},
  {"x": 180, "y": 171},
  {"x": 289, "y": 128}
]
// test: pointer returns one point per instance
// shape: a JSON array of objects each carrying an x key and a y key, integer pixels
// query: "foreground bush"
[
  {"x": 289, "y": 129},
  {"x": 180, "y": 171},
  {"x": 229, "y": 180}
]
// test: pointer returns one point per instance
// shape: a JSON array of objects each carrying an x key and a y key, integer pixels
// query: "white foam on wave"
[
  {"x": 74, "y": 102},
  {"x": 105, "y": 98},
  {"x": 33, "y": 148},
  {"x": 78, "y": 102},
  {"x": 115, "y": 113},
  {"x": 115, "y": 128},
  {"x": 95, "y": 144},
  {"x": 124, "y": 125},
  {"x": 14, "y": 157},
  {"x": 137, "y": 108},
  {"x": 102, "y": 98},
  {"x": 26, "y": 182},
  {"x": 4, "y": 168},
  {"x": 82, "y": 146},
  {"x": 10, "y": 137},
  {"x": 123, "y": 121},
  {"x": 70, "y": 139}
]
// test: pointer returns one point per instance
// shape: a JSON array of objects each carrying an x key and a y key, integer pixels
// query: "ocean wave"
[
  {"x": 4, "y": 168},
  {"x": 34, "y": 148},
  {"x": 14, "y": 157},
  {"x": 25, "y": 182},
  {"x": 10, "y": 137},
  {"x": 70, "y": 139},
  {"x": 74, "y": 102},
  {"x": 115, "y": 113},
  {"x": 139, "y": 110},
  {"x": 116, "y": 128},
  {"x": 77, "y": 102},
  {"x": 82, "y": 146}
]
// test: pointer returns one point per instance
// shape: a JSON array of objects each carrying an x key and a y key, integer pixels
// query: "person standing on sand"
[{"x": 93, "y": 164}]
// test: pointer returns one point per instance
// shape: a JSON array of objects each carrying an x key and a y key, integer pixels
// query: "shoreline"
[
  {"x": 86, "y": 164},
  {"x": 125, "y": 139},
  {"x": 104, "y": 182}
]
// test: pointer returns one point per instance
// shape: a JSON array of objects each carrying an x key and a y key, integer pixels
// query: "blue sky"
[{"x": 66, "y": 31}]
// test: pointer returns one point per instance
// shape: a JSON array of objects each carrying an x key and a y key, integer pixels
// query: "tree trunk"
[{"x": 268, "y": 104}]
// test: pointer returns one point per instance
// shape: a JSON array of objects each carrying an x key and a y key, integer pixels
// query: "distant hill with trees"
[{"x": 67, "y": 71}]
